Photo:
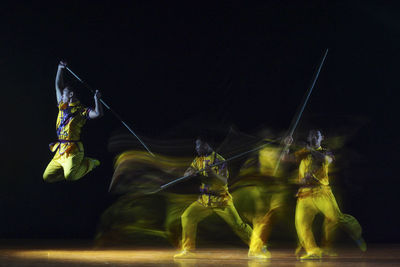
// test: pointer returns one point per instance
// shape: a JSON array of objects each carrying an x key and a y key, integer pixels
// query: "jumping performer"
[{"x": 69, "y": 162}]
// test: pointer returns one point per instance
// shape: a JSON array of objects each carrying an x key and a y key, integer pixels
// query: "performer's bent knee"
[
  {"x": 46, "y": 177},
  {"x": 333, "y": 218},
  {"x": 185, "y": 217},
  {"x": 50, "y": 178},
  {"x": 70, "y": 175},
  {"x": 240, "y": 225}
]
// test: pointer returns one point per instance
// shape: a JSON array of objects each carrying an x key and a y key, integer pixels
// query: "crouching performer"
[{"x": 214, "y": 198}]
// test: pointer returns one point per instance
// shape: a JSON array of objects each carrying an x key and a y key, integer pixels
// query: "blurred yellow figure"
[
  {"x": 274, "y": 195},
  {"x": 214, "y": 198},
  {"x": 315, "y": 196}
]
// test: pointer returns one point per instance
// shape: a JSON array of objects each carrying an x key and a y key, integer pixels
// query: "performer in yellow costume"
[
  {"x": 214, "y": 198},
  {"x": 315, "y": 196},
  {"x": 274, "y": 191},
  {"x": 69, "y": 162}
]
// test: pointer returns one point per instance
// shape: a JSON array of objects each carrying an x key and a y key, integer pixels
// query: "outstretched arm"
[
  {"x": 190, "y": 171},
  {"x": 59, "y": 80},
  {"x": 97, "y": 112}
]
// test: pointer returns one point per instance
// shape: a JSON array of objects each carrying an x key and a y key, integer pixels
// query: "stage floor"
[{"x": 24, "y": 254}]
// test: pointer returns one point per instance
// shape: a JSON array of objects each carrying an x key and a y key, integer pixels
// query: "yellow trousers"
[
  {"x": 262, "y": 225},
  {"x": 72, "y": 166},
  {"x": 316, "y": 200},
  {"x": 197, "y": 212}
]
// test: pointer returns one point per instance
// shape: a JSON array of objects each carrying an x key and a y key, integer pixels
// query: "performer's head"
[
  {"x": 68, "y": 94},
  {"x": 315, "y": 138},
  {"x": 202, "y": 146}
]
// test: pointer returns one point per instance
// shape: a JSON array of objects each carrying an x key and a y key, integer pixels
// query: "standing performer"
[
  {"x": 214, "y": 197},
  {"x": 69, "y": 162},
  {"x": 315, "y": 196}
]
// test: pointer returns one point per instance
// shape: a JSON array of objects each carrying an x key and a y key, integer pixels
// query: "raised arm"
[
  {"x": 97, "y": 112},
  {"x": 59, "y": 80},
  {"x": 287, "y": 156}
]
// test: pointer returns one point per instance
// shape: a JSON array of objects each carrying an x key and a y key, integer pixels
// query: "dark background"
[{"x": 162, "y": 64}]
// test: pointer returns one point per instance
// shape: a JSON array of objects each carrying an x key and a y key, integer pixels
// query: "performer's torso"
[
  {"x": 70, "y": 120},
  {"x": 318, "y": 169},
  {"x": 213, "y": 195}
]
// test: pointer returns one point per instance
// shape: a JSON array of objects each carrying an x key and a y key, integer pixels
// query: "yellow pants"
[
  {"x": 197, "y": 212},
  {"x": 262, "y": 225},
  {"x": 70, "y": 167},
  {"x": 321, "y": 200}
]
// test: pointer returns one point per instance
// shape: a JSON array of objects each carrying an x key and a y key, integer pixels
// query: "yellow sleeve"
[
  {"x": 301, "y": 170},
  {"x": 223, "y": 168},
  {"x": 85, "y": 112},
  {"x": 194, "y": 164},
  {"x": 61, "y": 105}
]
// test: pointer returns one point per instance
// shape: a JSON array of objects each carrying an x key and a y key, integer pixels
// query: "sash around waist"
[{"x": 55, "y": 145}]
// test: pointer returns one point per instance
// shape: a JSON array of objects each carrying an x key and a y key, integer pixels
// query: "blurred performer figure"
[
  {"x": 274, "y": 191},
  {"x": 69, "y": 162},
  {"x": 214, "y": 197},
  {"x": 315, "y": 196}
]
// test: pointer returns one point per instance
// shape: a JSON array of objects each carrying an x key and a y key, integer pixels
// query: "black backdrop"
[{"x": 164, "y": 63}]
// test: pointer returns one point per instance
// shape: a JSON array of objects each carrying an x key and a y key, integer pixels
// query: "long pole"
[
  {"x": 112, "y": 111},
  {"x": 296, "y": 119},
  {"x": 178, "y": 180},
  {"x": 164, "y": 186}
]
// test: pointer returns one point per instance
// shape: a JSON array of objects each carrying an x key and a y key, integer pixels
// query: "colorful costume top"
[
  {"x": 70, "y": 120},
  {"x": 212, "y": 195},
  {"x": 313, "y": 170}
]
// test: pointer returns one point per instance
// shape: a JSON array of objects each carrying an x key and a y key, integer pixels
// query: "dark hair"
[
  {"x": 313, "y": 132},
  {"x": 71, "y": 86},
  {"x": 206, "y": 137}
]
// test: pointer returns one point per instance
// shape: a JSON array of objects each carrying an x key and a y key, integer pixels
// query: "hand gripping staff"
[{"x": 112, "y": 111}]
